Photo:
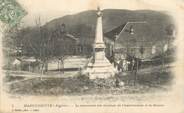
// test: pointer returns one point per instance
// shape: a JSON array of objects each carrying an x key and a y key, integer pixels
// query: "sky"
[{"x": 51, "y": 9}]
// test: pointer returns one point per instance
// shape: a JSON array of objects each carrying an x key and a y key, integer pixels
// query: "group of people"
[{"x": 127, "y": 64}]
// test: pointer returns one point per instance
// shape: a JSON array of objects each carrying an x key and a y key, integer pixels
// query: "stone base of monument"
[
  {"x": 103, "y": 76},
  {"x": 102, "y": 69}
]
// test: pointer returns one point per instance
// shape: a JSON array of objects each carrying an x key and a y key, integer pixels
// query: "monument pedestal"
[
  {"x": 101, "y": 70},
  {"x": 100, "y": 67}
]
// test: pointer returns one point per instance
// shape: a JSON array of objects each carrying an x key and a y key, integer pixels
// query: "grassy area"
[
  {"x": 81, "y": 85},
  {"x": 12, "y": 78}
]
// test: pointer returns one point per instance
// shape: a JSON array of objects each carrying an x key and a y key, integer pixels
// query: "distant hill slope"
[{"x": 82, "y": 25}]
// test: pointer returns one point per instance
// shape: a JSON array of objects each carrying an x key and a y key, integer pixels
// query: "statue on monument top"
[{"x": 99, "y": 12}]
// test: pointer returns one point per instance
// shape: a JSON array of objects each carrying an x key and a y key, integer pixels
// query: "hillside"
[{"x": 82, "y": 25}]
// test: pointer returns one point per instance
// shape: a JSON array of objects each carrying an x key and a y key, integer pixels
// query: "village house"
[
  {"x": 25, "y": 64},
  {"x": 131, "y": 40}
]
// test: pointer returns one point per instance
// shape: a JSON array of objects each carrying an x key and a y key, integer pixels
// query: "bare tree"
[{"x": 42, "y": 50}]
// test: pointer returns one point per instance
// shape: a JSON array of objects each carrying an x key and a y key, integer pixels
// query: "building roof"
[
  {"x": 116, "y": 31},
  {"x": 71, "y": 36}
]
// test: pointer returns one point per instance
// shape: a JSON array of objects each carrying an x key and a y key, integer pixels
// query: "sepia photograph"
[{"x": 95, "y": 54}]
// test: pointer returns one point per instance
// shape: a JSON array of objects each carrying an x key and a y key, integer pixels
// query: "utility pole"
[{"x": 131, "y": 31}]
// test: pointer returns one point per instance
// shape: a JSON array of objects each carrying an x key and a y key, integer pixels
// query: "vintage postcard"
[{"x": 91, "y": 56}]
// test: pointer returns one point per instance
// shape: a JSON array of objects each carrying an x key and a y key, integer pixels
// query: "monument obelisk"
[{"x": 100, "y": 67}]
